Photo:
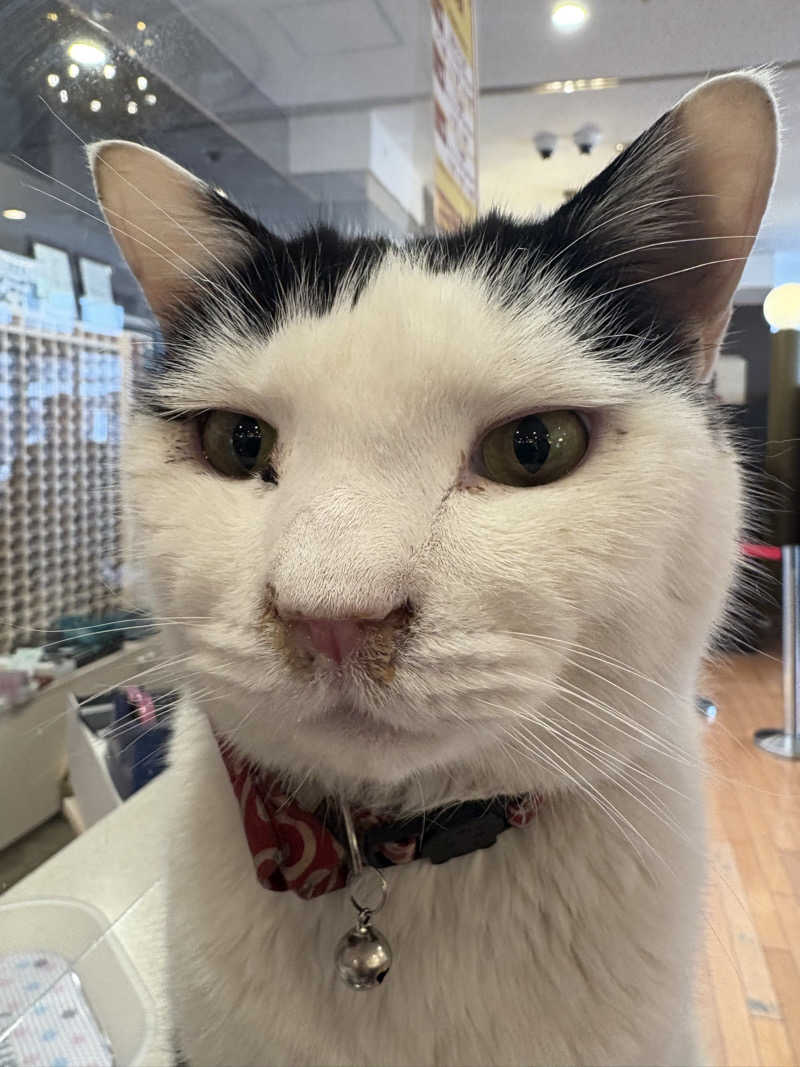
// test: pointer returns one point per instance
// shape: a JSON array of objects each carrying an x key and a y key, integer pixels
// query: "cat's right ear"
[{"x": 165, "y": 221}]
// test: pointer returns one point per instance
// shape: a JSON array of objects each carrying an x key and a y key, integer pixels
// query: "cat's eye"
[
  {"x": 536, "y": 449},
  {"x": 238, "y": 445}
]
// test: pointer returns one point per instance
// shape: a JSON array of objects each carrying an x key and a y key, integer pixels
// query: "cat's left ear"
[
  {"x": 168, "y": 224},
  {"x": 675, "y": 215}
]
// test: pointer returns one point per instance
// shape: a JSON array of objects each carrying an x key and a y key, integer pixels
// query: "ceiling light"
[
  {"x": 148, "y": 41},
  {"x": 95, "y": 105},
  {"x": 73, "y": 70},
  {"x": 53, "y": 80},
  {"x": 109, "y": 70},
  {"x": 141, "y": 25},
  {"x": 150, "y": 98},
  {"x": 619, "y": 146},
  {"x": 220, "y": 191},
  {"x": 576, "y": 85},
  {"x": 568, "y": 16},
  {"x": 52, "y": 16},
  {"x": 86, "y": 52},
  {"x": 63, "y": 96},
  {"x": 141, "y": 82},
  {"x": 14, "y": 213},
  {"x": 781, "y": 306},
  {"x": 133, "y": 107}
]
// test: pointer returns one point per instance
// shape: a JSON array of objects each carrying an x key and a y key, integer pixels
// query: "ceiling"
[
  {"x": 232, "y": 77},
  {"x": 332, "y": 54}
]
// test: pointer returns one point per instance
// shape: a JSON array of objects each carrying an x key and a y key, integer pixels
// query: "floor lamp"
[{"x": 782, "y": 312}]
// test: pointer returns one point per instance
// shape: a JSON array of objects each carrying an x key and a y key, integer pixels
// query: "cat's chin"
[{"x": 345, "y": 746}]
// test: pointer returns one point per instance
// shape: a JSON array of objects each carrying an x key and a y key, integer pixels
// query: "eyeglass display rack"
[{"x": 62, "y": 408}]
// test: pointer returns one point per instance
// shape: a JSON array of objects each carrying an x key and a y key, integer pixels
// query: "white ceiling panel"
[
  {"x": 336, "y": 26},
  {"x": 319, "y": 55}
]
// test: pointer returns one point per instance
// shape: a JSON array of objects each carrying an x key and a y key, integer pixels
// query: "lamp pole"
[{"x": 783, "y": 463}]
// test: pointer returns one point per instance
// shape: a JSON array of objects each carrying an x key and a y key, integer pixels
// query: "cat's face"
[{"x": 385, "y": 376}]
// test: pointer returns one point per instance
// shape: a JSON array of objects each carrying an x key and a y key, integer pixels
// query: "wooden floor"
[{"x": 750, "y": 979}]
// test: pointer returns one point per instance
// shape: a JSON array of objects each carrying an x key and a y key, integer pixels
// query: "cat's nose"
[
  {"x": 340, "y": 638},
  {"x": 337, "y": 639}
]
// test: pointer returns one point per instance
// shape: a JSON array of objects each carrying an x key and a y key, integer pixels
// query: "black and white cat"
[{"x": 448, "y": 521}]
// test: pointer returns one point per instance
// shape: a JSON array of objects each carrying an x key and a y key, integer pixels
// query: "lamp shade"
[{"x": 782, "y": 307}]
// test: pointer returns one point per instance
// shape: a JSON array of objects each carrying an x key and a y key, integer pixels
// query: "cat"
[{"x": 447, "y": 520}]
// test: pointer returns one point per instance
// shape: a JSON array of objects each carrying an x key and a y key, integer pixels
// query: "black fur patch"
[{"x": 573, "y": 242}]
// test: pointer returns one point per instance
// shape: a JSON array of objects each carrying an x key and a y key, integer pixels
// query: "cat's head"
[{"x": 420, "y": 507}]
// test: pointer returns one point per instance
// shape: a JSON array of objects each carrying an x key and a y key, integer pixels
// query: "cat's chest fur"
[{"x": 557, "y": 945}]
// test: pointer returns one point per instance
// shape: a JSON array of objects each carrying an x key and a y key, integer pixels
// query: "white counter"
[{"x": 117, "y": 867}]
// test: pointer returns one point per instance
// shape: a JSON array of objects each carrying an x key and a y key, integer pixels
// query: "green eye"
[
  {"x": 238, "y": 445},
  {"x": 535, "y": 450}
]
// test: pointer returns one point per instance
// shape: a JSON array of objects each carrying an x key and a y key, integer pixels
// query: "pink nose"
[
  {"x": 339, "y": 639},
  {"x": 335, "y": 638}
]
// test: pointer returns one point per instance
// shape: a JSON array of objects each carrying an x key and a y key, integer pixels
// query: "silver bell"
[{"x": 363, "y": 956}]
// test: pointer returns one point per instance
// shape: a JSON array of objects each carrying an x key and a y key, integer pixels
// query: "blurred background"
[{"x": 390, "y": 116}]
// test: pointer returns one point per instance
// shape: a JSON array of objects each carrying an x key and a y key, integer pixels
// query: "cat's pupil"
[
  {"x": 531, "y": 443},
  {"x": 246, "y": 439}
]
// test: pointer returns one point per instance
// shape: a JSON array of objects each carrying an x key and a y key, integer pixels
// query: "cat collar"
[{"x": 311, "y": 852}]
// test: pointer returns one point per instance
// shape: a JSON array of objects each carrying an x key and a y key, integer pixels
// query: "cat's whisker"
[
  {"x": 595, "y": 796},
  {"x": 191, "y": 277},
  {"x": 659, "y": 277},
  {"x": 645, "y": 206},
  {"x": 36, "y": 730},
  {"x": 657, "y": 244},
  {"x": 656, "y": 806},
  {"x": 153, "y": 203},
  {"x": 618, "y": 665},
  {"x": 91, "y": 200},
  {"x": 574, "y": 776}
]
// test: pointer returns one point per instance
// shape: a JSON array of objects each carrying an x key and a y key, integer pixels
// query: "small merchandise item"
[
  {"x": 56, "y": 1027},
  {"x": 138, "y": 737},
  {"x": 16, "y": 687}
]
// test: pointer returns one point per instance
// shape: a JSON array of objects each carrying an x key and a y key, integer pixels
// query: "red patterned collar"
[{"x": 304, "y": 851}]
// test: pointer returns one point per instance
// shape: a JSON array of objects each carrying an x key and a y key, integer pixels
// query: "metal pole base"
[
  {"x": 786, "y": 742},
  {"x": 778, "y": 743},
  {"x": 706, "y": 707}
]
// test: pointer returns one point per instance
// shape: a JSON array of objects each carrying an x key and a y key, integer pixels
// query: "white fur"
[
  {"x": 555, "y": 646},
  {"x": 571, "y": 941}
]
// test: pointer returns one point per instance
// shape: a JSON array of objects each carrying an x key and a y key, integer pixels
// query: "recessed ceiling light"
[
  {"x": 148, "y": 41},
  {"x": 133, "y": 107},
  {"x": 576, "y": 85},
  {"x": 109, "y": 71},
  {"x": 52, "y": 16},
  {"x": 14, "y": 213},
  {"x": 619, "y": 146},
  {"x": 86, "y": 52},
  {"x": 141, "y": 25},
  {"x": 150, "y": 98},
  {"x": 63, "y": 96},
  {"x": 568, "y": 16},
  {"x": 53, "y": 80},
  {"x": 95, "y": 105},
  {"x": 141, "y": 82},
  {"x": 73, "y": 70}
]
